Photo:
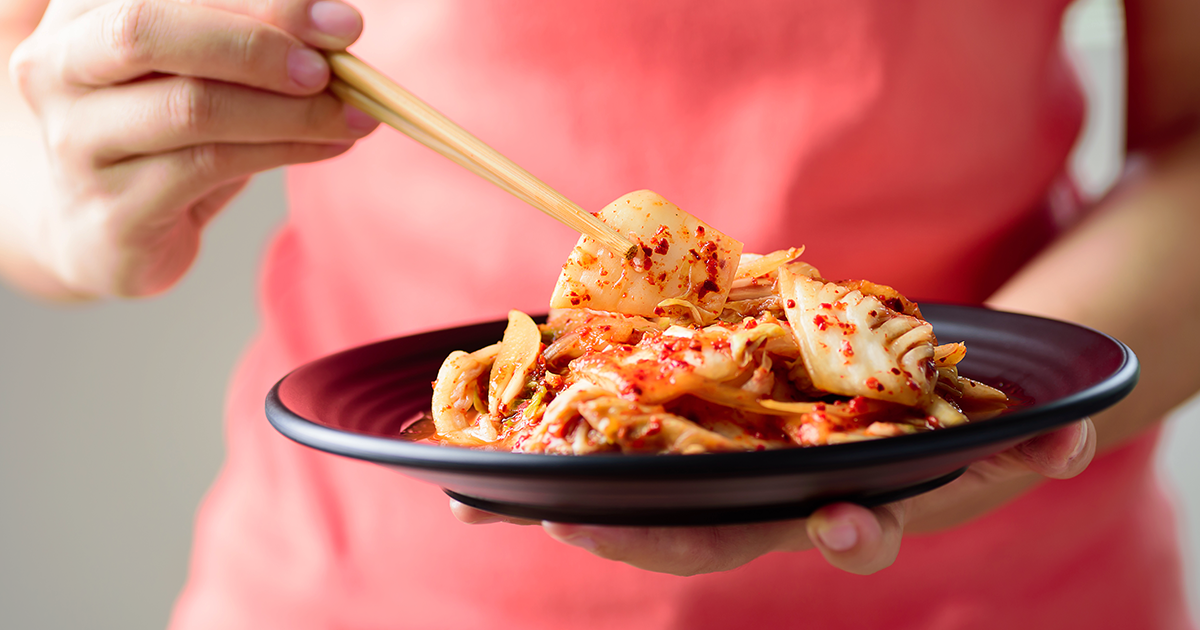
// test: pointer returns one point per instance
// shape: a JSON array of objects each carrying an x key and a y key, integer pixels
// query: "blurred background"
[{"x": 110, "y": 414}]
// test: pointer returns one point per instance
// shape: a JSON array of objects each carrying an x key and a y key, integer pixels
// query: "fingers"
[
  {"x": 989, "y": 483},
  {"x": 327, "y": 24},
  {"x": 851, "y": 537},
  {"x": 1060, "y": 454},
  {"x": 140, "y": 231},
  {"x": 156, "y": 113},
  {"x": 186, "y": 174},
  {"x": 174, "y": 112},
  {"x": 119, "y": 42},
  {"x": 683, "y": 550},
  {"x": 674, "y": 550},
  {"x": 856, "y": 539}
]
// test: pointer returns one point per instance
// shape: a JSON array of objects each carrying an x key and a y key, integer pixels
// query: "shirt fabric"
[{"x": 911, "y": 143}]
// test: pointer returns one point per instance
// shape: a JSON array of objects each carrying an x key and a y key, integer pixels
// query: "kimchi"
[{"x": 694, "y": 346}]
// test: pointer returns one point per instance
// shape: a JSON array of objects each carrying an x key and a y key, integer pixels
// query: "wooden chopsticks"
[{"x": 376, "y": 95}]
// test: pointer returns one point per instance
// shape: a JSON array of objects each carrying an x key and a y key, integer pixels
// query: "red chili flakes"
[
  {"x": 821, "y": 322},
  {"x": 826, "y": 305},
  {"x": 577, "y": 298},
  {"x": 653, "y": 427},
  {"x": 680, "y": 365},
  {"x": 643, "y": 262},
  {"x": 791, "y": 303},
  {"x": 661, "y": 240},
  {"x": 847, "y": 349},
  {"x": 708, "y": 287},
  {"x": 932, "y": 422},
  {"x": 713, "y": 267},
  {"x": 699, "y": 230},
  {"x": 873, "y": 383}
]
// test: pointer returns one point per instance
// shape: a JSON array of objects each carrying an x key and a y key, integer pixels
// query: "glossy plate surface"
[{"x": 357, "y": 403}]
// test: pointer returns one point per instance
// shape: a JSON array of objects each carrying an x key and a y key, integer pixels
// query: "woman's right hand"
[{"x": 156, "y": 113}]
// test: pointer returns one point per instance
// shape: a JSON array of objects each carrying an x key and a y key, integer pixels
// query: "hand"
[
  {"x": 852, "y": 538},
  {"x": 155, "y": 115}
]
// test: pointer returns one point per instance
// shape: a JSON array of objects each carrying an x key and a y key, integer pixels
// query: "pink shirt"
[{"x": 910, "y": 142}]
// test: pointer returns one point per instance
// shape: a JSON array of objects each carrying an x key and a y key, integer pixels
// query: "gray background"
[{"x": 110, "y": 426}]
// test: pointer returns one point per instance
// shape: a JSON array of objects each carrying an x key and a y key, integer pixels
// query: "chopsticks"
[{"x": 376, "y": 95}]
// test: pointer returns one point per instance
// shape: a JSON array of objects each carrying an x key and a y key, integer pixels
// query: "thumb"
[{"x": 856, "y": 539}]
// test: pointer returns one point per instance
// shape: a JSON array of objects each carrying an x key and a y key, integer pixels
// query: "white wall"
[{"x": 110, "y": 433}]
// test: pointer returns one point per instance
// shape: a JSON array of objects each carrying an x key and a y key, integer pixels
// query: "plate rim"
[{"x": 1022, "y": 423}]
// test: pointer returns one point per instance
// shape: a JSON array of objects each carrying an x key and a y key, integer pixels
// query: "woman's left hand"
[{"x": 851, "y": 537}]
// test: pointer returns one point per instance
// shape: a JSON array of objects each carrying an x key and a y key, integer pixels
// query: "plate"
[{"x": 359, "y": 402}]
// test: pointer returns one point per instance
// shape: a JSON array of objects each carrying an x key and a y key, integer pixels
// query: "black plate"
[{"x": 357, "y": 402}]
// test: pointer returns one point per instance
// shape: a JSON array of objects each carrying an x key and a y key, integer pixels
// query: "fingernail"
[
  {"x": 564, "y": 534},
  {"x": 335, "y": 19},
  {"x": 1080, "y": 443},
  {"x": 358, "y": 121},
  {"x": 307, "y": 67},
  {"x": 838, "y": 537}
]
